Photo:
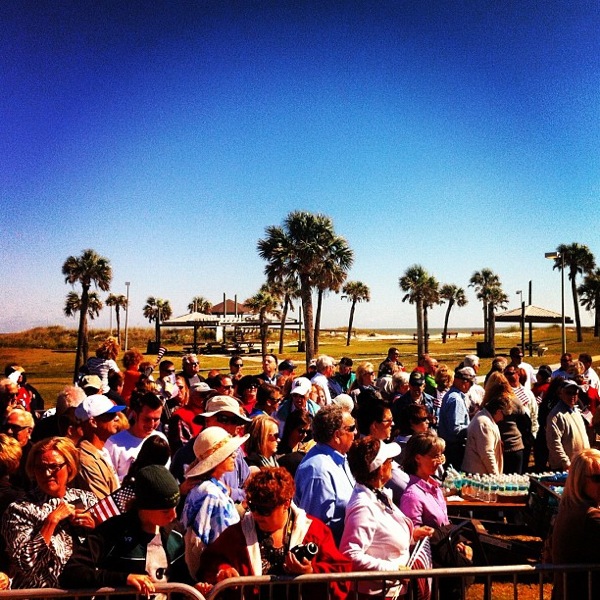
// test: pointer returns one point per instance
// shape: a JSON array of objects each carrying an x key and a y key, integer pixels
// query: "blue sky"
[{"x": 168, "y": 135}]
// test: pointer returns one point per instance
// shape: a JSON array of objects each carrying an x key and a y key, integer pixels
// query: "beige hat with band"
[{"x": 212, "y": 446}]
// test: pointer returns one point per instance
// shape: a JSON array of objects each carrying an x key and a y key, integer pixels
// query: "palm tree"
[
  {"x": 119, "y": 302},
  {"x": 297, "y": 250},
  {"x": 414, "y": 283},
  {"x": 88, "y": 269},
  {"x": 287, "y": 291},
  {"x": 355, "y": 291},
  {"x": 579, "y": 260},
  {"x": 200, "y": 304},
  {"x": 431, "y": 297},
  {"x": 73, "y": 306},
  {"x": 453, "y": 295},
  {"x": 263, "y": 303},
  {"x": 589, "y": 293},
  {"x": 157, "y": 310},
  {"x": 496, "y": 299},
  {"x": 331, "y": 279},
  {"x": 484, "y": 281}
]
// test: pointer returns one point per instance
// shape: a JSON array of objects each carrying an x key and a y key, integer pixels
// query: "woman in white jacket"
[{"x": 377, "y": 535}]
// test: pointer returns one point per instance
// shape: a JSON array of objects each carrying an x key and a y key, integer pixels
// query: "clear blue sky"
[{"x": 168, "y": 135}]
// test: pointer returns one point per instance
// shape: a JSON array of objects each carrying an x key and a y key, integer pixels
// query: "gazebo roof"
[{"x": 533, "y": 314}]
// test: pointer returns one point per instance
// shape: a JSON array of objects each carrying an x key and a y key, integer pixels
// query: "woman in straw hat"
[{"x": 209, "y": 509}]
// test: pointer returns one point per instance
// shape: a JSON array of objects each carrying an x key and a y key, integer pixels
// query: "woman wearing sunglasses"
[
  {"x": 261, "y": 446},
  {"x": 262, "y": 543},
  {"x": 41, "y": 530}
]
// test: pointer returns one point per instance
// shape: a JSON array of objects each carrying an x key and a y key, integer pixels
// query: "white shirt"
[
  {"x": 592, "y": 378},
  {"x": 320, "y": 380}
]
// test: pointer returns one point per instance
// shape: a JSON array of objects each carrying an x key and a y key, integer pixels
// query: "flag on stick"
[{"x": 113, "y": 504}]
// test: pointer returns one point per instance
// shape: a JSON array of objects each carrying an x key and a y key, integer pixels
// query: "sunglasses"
[
  {"x": 420, "y": 419},
  {"x": 263, "y": 511},
  {"x": 50, "y": 470},
  {"x": 303, "y": 431},
  {"x": 350, "y": 428},
  {"x": 226, "y": 420},
  {"x": 15, "y": 428}
]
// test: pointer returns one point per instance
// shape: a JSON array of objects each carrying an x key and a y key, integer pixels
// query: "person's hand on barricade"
[
  {"x": 203, "y": 587},
  {"x": 142, "y": 583},
  {"x": 227, "y": 573},
  {"x": 4, "y": 581}
]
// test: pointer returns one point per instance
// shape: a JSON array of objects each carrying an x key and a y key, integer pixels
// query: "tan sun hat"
[{"x": 212, "y": 446}]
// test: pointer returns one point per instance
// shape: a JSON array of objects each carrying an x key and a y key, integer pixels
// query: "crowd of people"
[{"x": 148, "y": 475}]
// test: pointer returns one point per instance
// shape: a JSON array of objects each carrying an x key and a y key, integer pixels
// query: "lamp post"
[
  {"x": 127, "y": 283},
  {"x": 520, "y": 293},
  {"x": 554, "y": 256}
]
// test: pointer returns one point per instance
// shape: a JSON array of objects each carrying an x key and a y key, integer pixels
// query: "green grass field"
[{"x": 50, "y": 370}]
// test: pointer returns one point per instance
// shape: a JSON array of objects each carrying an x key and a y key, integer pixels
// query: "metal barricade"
[
  {"x": 486, "y": 578},
  {"x": 181, "y": 590}
]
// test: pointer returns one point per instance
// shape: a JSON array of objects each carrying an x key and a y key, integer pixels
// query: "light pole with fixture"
[
  {"x": 520, "y": 293},
  {"x": 554, "y": 256},
  {"x": 127, "y": 283}
]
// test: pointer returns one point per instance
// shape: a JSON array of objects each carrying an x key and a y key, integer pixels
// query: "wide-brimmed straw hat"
[
  {"x": 218, "y": 404},
  {"x": 212, "y": 447}
]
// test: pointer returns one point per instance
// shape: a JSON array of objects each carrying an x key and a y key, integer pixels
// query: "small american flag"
[
  {"x": 161, "y": 352},
  {"x": 113, "y": 505},
  {"x": 421, "y": 559}
]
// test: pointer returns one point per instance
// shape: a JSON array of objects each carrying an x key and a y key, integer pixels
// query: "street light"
[
  {"x": 554, "y": 256},
  {"x": 127, "y": 283}
]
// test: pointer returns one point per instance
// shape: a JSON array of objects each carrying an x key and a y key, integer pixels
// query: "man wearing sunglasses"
[
  {"x": 191, "y": 370},
  {"x": 565, "y": 433},
  {"x": 324, "y": 482}
]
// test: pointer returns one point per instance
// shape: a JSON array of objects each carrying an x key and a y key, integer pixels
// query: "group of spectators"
[{"x": 150, "y": 475}]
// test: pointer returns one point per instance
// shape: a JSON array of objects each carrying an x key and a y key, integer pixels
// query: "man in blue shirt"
[
  {"x": 324, "y": 482},
  {"x": 454, "y": 416}
]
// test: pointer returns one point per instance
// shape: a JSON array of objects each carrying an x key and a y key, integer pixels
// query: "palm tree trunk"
[
  {"x": 597, "y": 316},
  {"x": 157, "y": 326},
  {"x": 118, "y": 319},
  {"x": 420, "y": 328},
  {"x": 286, "y": 302},
  {"x": 446, "y": 319},
  {"x": 485, "y": 322},
  {"x": 572, "y": 276},
  {"x": 307, "y": 307},
  {"x": 263, "y": 331},
  {"x": 81, "y": 352},
  {"x": 350, "y": 321},
  {"x": 491, "y": 321},
  {"x": 318, "y": 320},
  {"x": 425, "y": 330}
]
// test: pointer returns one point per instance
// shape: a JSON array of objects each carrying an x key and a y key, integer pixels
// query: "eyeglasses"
[
  {"x": 16, "y": 428},
  {"x": 273, "y": 437},
  {"x": 369, "y": 372},
  {"x": 441, "y": 458},
  {"x": 226, "y": 420},
  {"x": 386, "y": 421},
  {"x": 303, "y": 431},
  {"x": 45, "y": 469},
  {"x": 350, "y": 428},
  {"x": 227, "y": 387},
  {"x": 193, "y": 364},
  {"x": 240, "y": 365},
  {"x": 252, "y": 386},
  {"x": 263, "y": 511},
  {"x": 420, "y": 419}
]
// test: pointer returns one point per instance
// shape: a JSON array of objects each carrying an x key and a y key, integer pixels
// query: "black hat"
[
  {"x": 416, "y": 378},
  {"x": 346, "y": 362},
  {"x": 545, "y": 371},
  {"x": 155, "y": 488}
]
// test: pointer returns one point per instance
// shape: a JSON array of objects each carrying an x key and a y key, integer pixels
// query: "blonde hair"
[
  {"x": 63, "y": 446},
  {"x": 586, "y": 463},
  {"x": 361, "y": 371},
  {"x": 259, "y": 434},
  {"x": 109, "y": 349},
  {"x": 10, "y": 455}
]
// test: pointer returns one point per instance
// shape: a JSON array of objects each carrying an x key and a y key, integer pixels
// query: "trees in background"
[
  {"x": 415, "y": 282},
  {"x": 200, "y": 304},
  {"x": 89, "y": 269},
  {"x": 354, "y": 292},
  {"x": 157, "y": 310},
  {"x": 489, "y": 290},
  {"x": 264, "y": 303},
  {"x": 297, "y": 250},
  {"x": 589, "y": 293},
  {"x": 453, "y": 295},
  {"x": 579, "y": 260},
  {"x": 119, "y": 301}
]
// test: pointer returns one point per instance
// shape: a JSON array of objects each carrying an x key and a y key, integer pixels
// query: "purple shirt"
[{"x": 423, "y": 503}]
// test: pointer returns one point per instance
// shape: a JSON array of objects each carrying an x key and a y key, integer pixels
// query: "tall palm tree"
[
  {"x": 414, "y": 282},
  {"x": 496, "y": 299},
  {"x": 288, "y": 292},
  {"x": 88, "y": 269},
  {"x": 73, "y": 306},
  {"x": 331, "y": 279},
  {"x": 579, "y": 260},
  {"x": 431, "y": 297},
  {"x": 263, "y": 303},
  {"x": 484, "y": 281},
  {"x": 589, "y": 294},
  {"x": 355, "y": 291},
  {"x": 297, "y": 250},
  {"x": 453, "y": 295},
  {"x": 119, "y": 302},
  {"x": 200, "y": 304},
  {"x": 157, "y": 310}
]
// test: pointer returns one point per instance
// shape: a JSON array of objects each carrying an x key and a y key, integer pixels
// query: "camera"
[{"x": 302, "y": 551}]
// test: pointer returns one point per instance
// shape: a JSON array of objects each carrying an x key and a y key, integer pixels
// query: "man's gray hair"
[
  {"x": 326, "y": 422},
  {"x": 69, "y": 396},
  {"x": 471, "y": 360},
  {"x": 323, "y": 362}
]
